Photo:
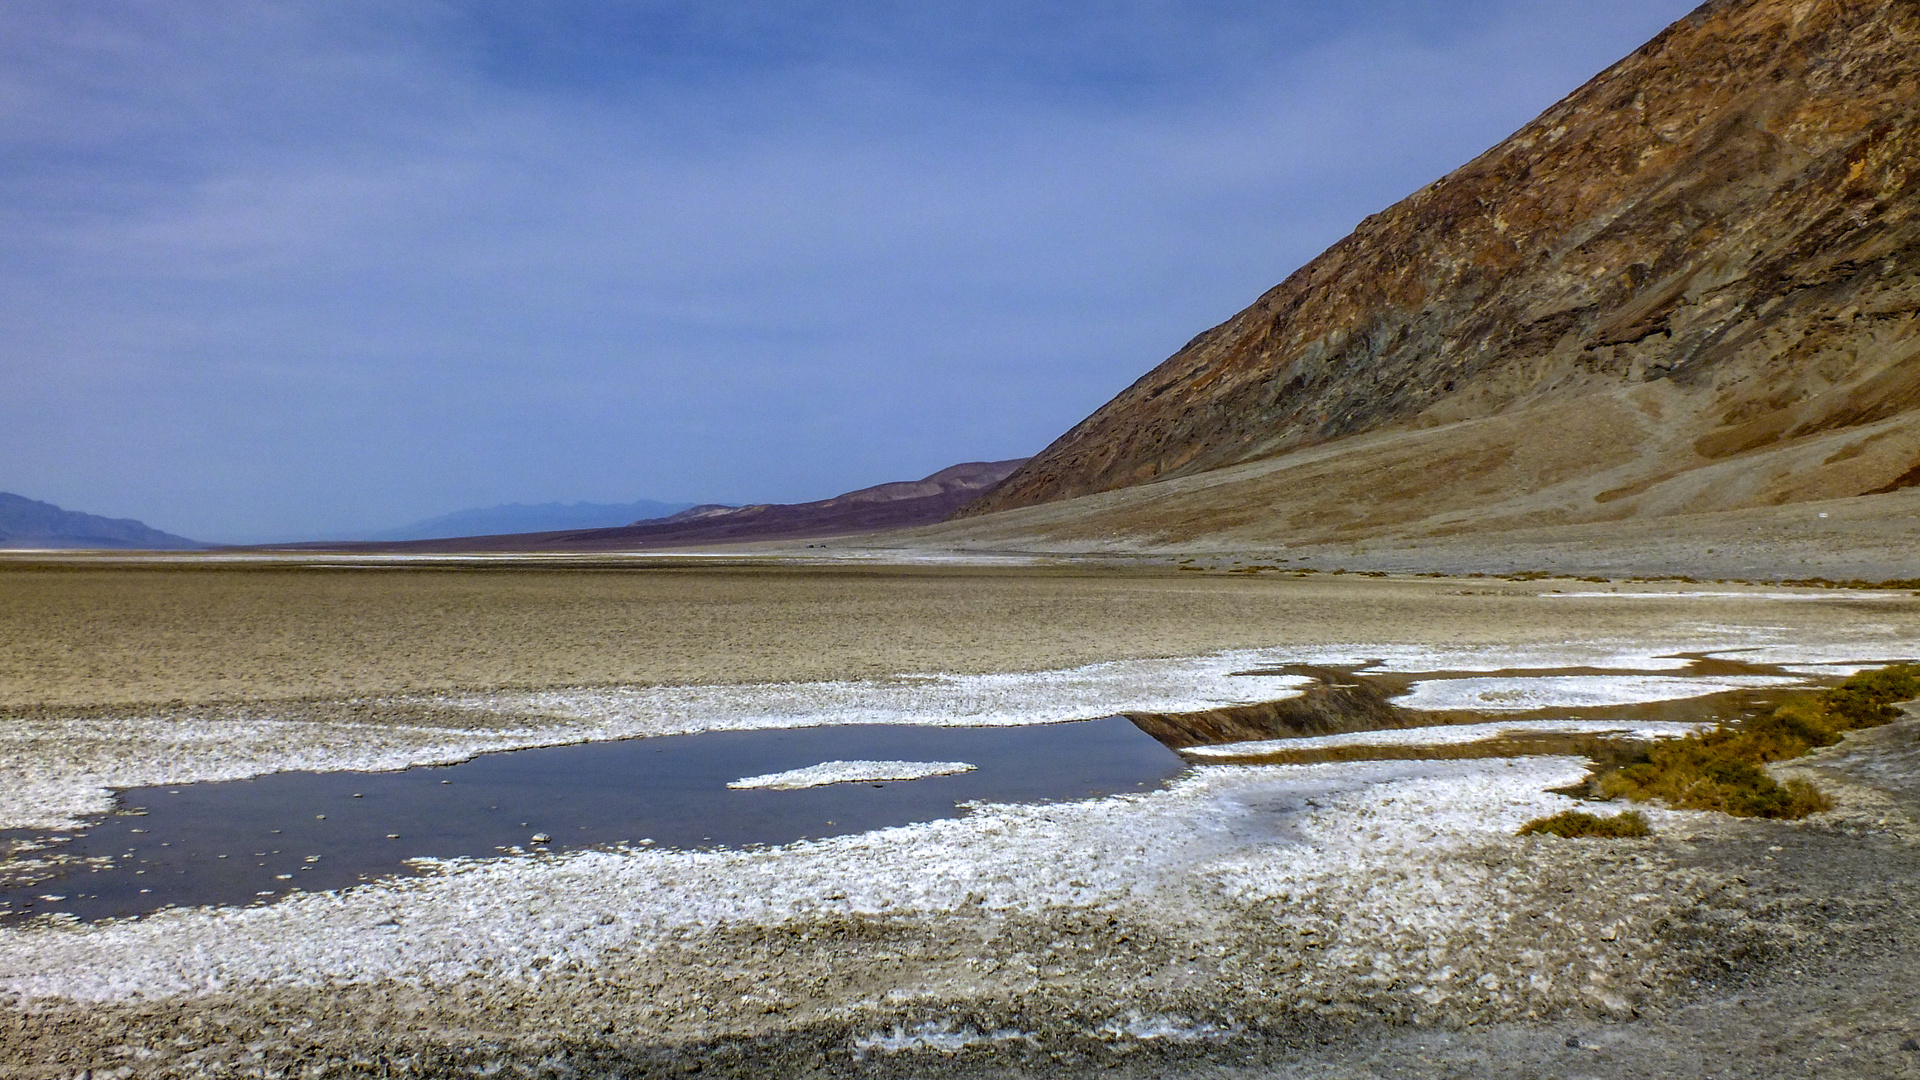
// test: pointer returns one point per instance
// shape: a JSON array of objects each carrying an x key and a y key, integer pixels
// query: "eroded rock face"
[{"x": 1729, "y": 212}]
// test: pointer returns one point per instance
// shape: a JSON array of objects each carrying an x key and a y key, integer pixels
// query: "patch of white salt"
[
  {"x": 1574, "y": 691},
  {"x": 54, "y": 772},
  {"x": 1400, "y": 658},
  {"x": 943, "y": 1037},
  {"x": 1452, "y": 735},
  {"x": 1177, "y": 684},
  {"x": 1253, "y": 833},
  {"x": 850, "y": 772},
  {"x": 1147, "y": 1028},
  {"x": 1856, "y": 656}
]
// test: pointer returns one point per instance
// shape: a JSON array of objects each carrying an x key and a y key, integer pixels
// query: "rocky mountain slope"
[
  {"x": 30, "y": 523},
  {"x": 1689, "y": 287},
  {"x": 897, "y": 505}
]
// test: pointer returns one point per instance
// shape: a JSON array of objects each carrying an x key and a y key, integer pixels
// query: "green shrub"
[
  {"x": 1866, "y": 700},
  {"x": 1575, "y": 823},
  {"x": 1722, "y": 769}
]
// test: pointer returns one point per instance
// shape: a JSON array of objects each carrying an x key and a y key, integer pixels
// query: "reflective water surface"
[{"x": 250, "y": 840}]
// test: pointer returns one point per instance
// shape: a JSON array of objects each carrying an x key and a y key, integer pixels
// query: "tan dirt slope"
[{"x": 1691, "y": 287}]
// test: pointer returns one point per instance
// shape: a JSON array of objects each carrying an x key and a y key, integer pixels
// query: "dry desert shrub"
[
  {"x": 1575, "y": 823},
  {"x": 1723, "y": 769}
]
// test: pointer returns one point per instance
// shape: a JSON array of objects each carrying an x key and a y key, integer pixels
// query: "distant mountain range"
[
  {"x": 884, "y": 506},
  {"x": 524, "y": 518},
  {"x": 29, "y": 523}
]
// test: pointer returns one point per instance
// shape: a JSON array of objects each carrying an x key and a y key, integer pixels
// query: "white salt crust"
[
  {"x": 55, "y": 772},
  {"x": 1828, "y": 671},
  {"x": 1180, "y": 684},
  {"x": 1858, "y": 655},
  {"x": 1574, "y": 691},
  {"x": 1249, "y": 834},
  {"x": 850, "y": 772},
  {"x": 1452, "y": 735},
  {"x": 943, "y": 1037},
  {"x": 1626, "y": 656}
]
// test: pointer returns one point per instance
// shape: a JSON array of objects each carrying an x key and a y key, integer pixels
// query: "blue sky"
[{"x": 283, "y": 270}]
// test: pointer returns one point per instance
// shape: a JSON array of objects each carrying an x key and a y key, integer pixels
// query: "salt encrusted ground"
[
  {"x": 1451, "y": 735},
  {"x": 1572, "y": 691},
  {"x": 850, "y": 772},
  {"x": 1241, "y": 904},
  {"x": 54, "y": 771},
  {"x": 57, "y": 770},
  {"x": 1393, "y": 853},
  {"x": 1176, "y": 684}
]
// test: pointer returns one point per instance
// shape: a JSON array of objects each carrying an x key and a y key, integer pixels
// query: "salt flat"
[{"x": 1242, "y": 905}]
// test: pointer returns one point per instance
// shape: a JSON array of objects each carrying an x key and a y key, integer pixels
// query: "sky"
[{"x": 286, "y": 270}]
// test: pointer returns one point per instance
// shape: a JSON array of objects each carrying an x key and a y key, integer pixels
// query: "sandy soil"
[
  {"x": 1241, "y": 513},
  {"x": 1346, "y": 919}
]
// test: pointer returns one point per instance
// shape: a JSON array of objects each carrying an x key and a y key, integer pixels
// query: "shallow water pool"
[{"x": 247, "y": 841}]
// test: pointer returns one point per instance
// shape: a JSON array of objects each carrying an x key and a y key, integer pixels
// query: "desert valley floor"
[{"x": 1343, "y": 918}]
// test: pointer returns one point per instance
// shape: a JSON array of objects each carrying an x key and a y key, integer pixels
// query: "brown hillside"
[{"x": 1690, "y": 286}]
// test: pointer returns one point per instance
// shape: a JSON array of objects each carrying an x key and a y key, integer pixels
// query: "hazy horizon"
[{"x": 295, "y": 271}]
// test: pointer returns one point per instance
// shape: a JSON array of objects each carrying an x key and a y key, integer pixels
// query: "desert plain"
[{"x": 1366, "y": 918}]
